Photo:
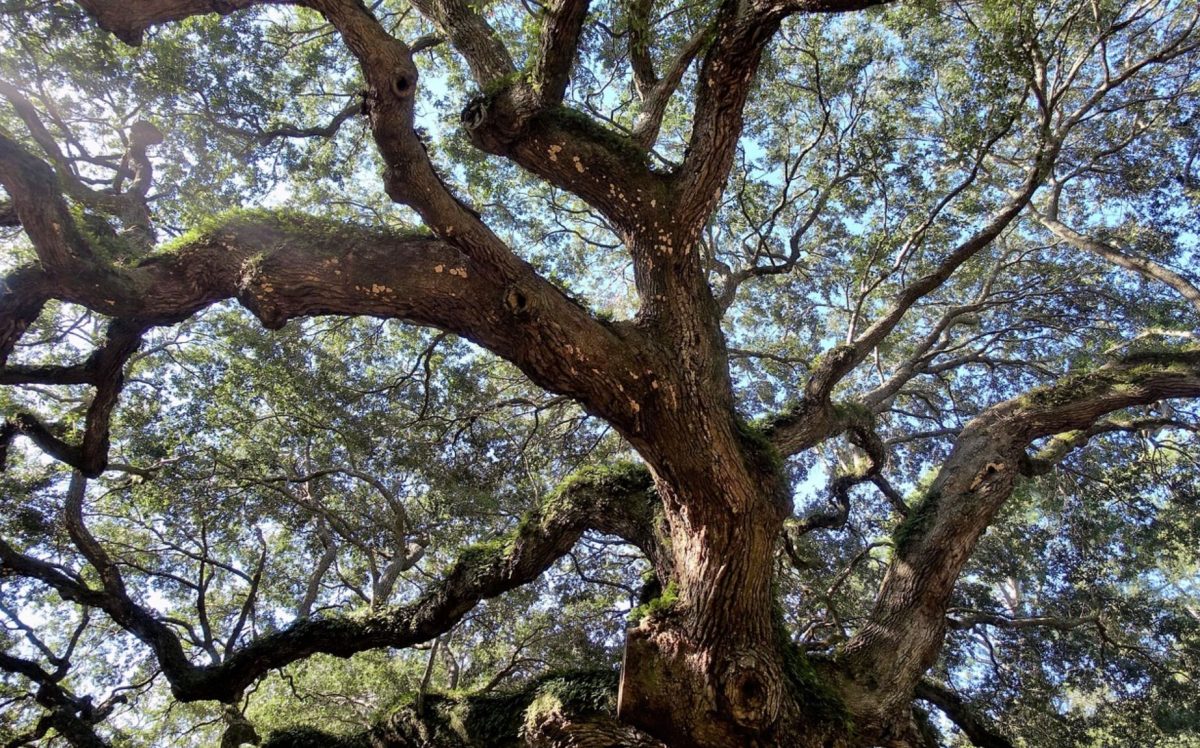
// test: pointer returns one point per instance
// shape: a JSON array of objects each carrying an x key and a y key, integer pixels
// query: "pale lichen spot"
[
  {"x": 554, "y": 151},
  {"x": 578, "y": 164},
  {"x": 460, "y": 272},
  {"x": 438, "y": 268},
  {"x": 633, "y": 406}
]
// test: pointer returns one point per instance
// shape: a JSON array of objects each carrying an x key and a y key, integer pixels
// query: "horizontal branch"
[
  {"x": 282, "y": 266},
  {"x": 965, "y": 619},
  {"x": 128, "y": 20}
]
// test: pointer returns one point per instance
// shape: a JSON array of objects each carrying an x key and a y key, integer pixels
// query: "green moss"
[
  {"x": 754, "y": 438},
  {"x": 1134, "y": 367},
  {"x": 591, "y": 484},
  {"x": 496, "y": 719},
  {"x": 656, "y": 607},
  {"x": 101, "y": 237},
  {"x": 624, "y": 475},
  {"x": 819, "y": 701},
  {"x": 916, "y": 523},
  {"x": 328, "y": 230},
  {"x": 849, "y": 412},
  {"x": 494, "y": 88},
  {"x": 576, "y": 122},
  {"x": 485, "y": 551}
]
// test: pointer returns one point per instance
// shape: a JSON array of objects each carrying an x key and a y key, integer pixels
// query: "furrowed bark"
[
  {"x": 472, "y": 37},
  {"x": 557, "y": 48}
]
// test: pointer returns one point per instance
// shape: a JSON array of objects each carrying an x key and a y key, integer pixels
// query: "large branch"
[
  {"x": 522, "y": 118},
  {"x": 43, "y": 213},
  {"x": 283, "y": 266},
  {"x": 130, "y": 206},
  {"x": 940, "y": 533},
  {"x": 557, "y": 48},
  {"x": 1143, "y": 266},
  {"x": 961, "y": 714},
  {"x": 616, "y": 501},
  {"x": 742, "y": 31},
  {"x": 128, "y": 21}
]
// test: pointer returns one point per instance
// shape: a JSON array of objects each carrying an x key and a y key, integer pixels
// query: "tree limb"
[
  {"x": 1143, "y": 266},
  {"x": 128, "y": 21},
  {"x": 938, "y": 536},
  {"x": 960, "y": 713},
  {"x": 618, "y": 501},
  {"x": 557, "y": 48}
]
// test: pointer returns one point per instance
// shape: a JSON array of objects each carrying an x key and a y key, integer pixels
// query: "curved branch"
[
  {"x": 640, "y": 59},
  {"x": 934, "y": 542},
  {"x": 960, "y": 713},
  {"x": 283, "y": 266},
  {"x": 41, "y": 209},
  {"x": 74, "y": 718},
  {"x": 129, "y": 206},
  {"x": 105, "y": 369},
  {"x": 1143, "y": 266},
  {"x": 128, "y": 21},
  {"x": 617, "y": 501},
  {"x": 862, "y": 435},
  {"x": 742, "y": 30}
]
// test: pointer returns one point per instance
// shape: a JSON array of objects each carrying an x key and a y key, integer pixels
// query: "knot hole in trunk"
[{"x": 753, "y": 691}]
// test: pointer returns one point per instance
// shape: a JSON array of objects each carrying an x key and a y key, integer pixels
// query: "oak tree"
[{"x": 834, "y": 364}]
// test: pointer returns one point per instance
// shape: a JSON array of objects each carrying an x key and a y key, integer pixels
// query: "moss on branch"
[
  {"x": 657, "y": 606},
  {"x": 285, "y": 221},
  {"x": 496, "y": 718},
  {"x": 917, "y": 523}
]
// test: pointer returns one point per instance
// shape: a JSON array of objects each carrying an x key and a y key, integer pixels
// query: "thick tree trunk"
[{"x": 706, "y": 664}]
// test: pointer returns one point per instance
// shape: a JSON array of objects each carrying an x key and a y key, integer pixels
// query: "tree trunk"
[{"x": 707, "y": 663}]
